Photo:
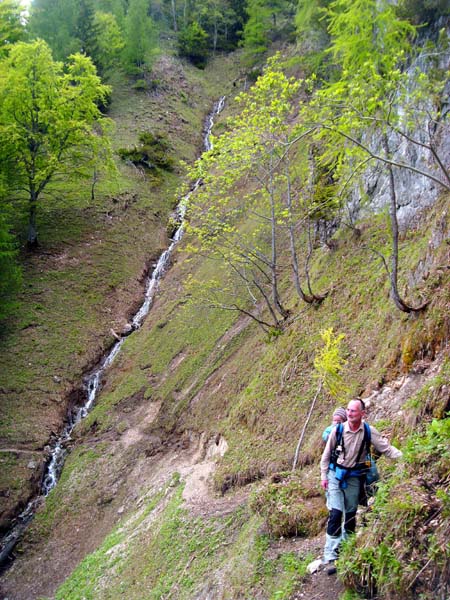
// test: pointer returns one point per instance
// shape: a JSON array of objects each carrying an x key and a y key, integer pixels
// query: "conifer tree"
[{"x": 87, "y": 30}]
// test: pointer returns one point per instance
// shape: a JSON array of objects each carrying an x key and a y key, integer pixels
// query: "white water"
[{"x": 93, "y": 382}]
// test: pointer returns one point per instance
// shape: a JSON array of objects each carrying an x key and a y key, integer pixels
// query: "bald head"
[{"x": 355, "y": 413}]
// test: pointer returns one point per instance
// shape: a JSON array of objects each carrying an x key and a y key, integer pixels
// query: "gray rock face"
[{"x": 414, "y": 192}]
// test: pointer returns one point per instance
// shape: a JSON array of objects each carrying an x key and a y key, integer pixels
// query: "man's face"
[{"x": 354, "y": 412}]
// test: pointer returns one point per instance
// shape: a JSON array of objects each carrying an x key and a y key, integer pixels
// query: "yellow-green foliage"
[{"x": 329, "y": 363}]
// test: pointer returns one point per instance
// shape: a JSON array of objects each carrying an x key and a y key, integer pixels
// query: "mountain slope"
[{"x": 201, "y": 403}]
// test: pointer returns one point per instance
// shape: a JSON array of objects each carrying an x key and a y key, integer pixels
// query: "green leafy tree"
[
  {"x": 256, "y": 31},
  {"x": 216, "y": 16},
  {"x": 141, "y": 43},
  {"x": 50, "y": 123},
  {"x": 113, "y": 7},
  {"x": 250, "y": 232},
  {"x": 12, "y": 29},
  {"x": 110, "y": 40},
  {"x": 265, "y": 19},
  {"x": 193, "y": 44},
  {"x": 312, "y": 33}
]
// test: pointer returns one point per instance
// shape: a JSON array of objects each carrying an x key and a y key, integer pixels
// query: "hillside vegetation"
[{"x": 179, "y": 482}]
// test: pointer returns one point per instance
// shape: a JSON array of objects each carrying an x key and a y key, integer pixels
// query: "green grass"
[
  {"x": 406, "y": 554},
  {"x": 175, "y": 555}
]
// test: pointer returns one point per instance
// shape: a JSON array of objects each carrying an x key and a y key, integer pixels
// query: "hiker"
[
  {"x": 339, "y": 416},
  {"x": 343, "y": 469}
]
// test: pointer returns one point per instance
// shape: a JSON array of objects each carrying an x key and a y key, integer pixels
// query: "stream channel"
[{"x": 92, "y": 383}]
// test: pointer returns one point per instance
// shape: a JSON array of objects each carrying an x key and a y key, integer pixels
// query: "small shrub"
[
  {"x": 152, "y": 152},
  {"x": 289, "y": 508},
  {"x": 140, "y": 85}
]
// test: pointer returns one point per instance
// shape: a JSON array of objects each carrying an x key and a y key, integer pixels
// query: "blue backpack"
[{"x": 367, "y": 468}]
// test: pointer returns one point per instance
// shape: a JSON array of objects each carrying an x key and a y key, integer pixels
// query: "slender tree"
[
  {"x": 141, "y": 43},
  {"x": 329, "y": 365},
  {"x": 251, "y": 232}
]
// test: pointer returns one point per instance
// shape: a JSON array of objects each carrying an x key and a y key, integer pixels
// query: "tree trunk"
[
  {"x": 274, "y": 258},
  {"x": 174, "y": 15},
  {"x": 94, "y": 182},
  {"x": 393, "y": 276},
  {"x": 32, "y": 238},
  {"x": 302, "y": 435},
  {"x": 215, "y": 36},
  {"x": 309, "y": 299}
]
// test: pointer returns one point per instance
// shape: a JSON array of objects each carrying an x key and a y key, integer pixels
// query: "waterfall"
[{"x": 92, "y": 383}]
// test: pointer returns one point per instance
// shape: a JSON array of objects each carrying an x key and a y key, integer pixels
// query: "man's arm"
[{"x": 381, "y": 445}]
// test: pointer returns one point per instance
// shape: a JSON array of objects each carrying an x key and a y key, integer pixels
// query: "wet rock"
[
  {"x": 127, "y": 330},
  {"x": 32, "y": 465}
]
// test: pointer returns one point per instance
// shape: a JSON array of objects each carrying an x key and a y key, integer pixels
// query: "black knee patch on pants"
[
  {"x": 350, "y": 522},
  {"x": 334, "y": 522}
]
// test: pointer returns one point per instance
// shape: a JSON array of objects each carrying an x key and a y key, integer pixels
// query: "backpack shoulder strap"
[
  {"x": 339, "y": 432},
  {"x": 365, "y": 443},
  {"x": 367, "y": 435}
]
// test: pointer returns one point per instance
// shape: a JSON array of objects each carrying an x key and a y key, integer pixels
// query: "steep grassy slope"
[
  {"x": 187, "y": 381},
  {"x": 201, "y": 397},
  {"x": 87, "y": 277}
]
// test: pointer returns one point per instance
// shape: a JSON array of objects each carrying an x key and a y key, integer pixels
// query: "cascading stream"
[{"x": 93, "y": 381}]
